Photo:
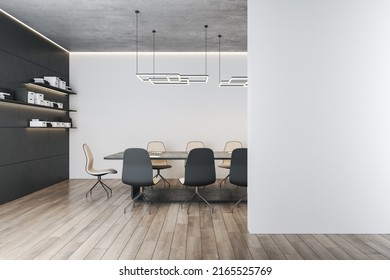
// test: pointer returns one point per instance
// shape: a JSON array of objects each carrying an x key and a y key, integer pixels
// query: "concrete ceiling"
[{"x": 109, "y": 25}]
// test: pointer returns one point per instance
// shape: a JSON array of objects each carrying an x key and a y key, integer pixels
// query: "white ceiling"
[{"x": 109, "y": 25}]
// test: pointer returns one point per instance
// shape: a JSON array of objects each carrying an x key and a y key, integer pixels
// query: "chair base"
[
  {"x": 107, "y": 189},
  {"x": 224, "y": 180},
  {"x": 162, "y": 178},
  {"x": 192, "y": 198},
  {"x": 238, "y": 202},
  {"x": 145, "y": 198}
]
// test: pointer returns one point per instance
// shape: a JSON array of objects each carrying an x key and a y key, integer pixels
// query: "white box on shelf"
[
  {"x": 53, "y": 81},
  {"x": 39, "y": 96},
  {"x": 30, "y": 97},
  {"x": 39, "y": 102},
  {"x": 55, "y": 124},
  {"x": 38, "y": 123},
  {"x": 62, "y": 84},
  {"x": 3, "y": 95},
  {"x": 60, "y": 105},
  {"x": 39, "y": 80},
  {"x": 67, "y": 124},
  {"x": 47, "y": 103},
  {"x": 24, "y": 95}
]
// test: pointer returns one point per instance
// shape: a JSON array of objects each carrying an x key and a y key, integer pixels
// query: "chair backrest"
[
  {"x": 89, "y": 158},
  {"x": 239, "y": 167},
  {"x": 200, "y": 167},
  {"x": 229, "y": 147},
  {"x": 157, "y": 146},
  {"x": 193, "y": 145},
  {"x": 137, "y": 168}
]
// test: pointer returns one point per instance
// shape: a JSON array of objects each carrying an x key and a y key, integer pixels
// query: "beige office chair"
[
  {"x": 194, "y": 144},
  {"x": 94, "y": 172},
  {"x": 191, "y": 145},
  {"x": 159, "y": 164},
  {"x": 229, "y": 147}
]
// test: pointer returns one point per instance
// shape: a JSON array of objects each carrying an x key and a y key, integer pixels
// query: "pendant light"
[
  {"x": 158, "y": 78},
  {"x": 234, "y": 81}
]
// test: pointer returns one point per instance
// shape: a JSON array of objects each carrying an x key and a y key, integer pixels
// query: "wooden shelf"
[
  {"x": 35, "y": 105},
  {"x": 51, "y": 88}
]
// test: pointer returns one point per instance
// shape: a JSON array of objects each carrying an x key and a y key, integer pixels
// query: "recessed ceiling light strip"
[{"x": 33, "y": 30}]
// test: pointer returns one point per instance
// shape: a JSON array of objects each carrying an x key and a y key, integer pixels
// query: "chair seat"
[
  {"x": 102, "y": 172},
  {"x": 227, "y": 166},
  {"x": 161, "y": 166}
]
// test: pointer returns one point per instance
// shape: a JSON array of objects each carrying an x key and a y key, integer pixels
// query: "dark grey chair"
[
  {"x": 138, "y": 172},
  {"x": 199, "y": 171},
  {"x": 239, "y": 170}
]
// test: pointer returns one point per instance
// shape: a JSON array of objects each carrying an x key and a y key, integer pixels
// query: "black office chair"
[
  {"x": 229, "y": 147},
  {"x": 138, "y": 172},
  {"x": 98, "y": 173},
  {"x": 199, "y": 171},
  {"x": 239, "y": 170}
]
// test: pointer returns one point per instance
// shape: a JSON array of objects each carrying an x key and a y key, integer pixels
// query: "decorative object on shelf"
[
  {"x": 48, "y": 88},
  {"x": 40, "y": 123},
  {"x": 234, "y": 81},
  {"x": 57, "y": 101},
  {"x": 169, "y": 78},
  {"x": 52, "y": 81},
  {"x": 4, "y": 95},
  {"x": 27, "y": 96}
]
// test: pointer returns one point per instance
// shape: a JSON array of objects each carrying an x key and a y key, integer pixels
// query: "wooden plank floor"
[{"x": 60, "y": 223}]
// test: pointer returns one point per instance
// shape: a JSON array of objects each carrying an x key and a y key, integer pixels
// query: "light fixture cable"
[
  {"x": 136, "y": 41},
  {"x": 219, "y": 58},
  {"x": 205, "y": 48},
  {"x": 154, "y": 53}
]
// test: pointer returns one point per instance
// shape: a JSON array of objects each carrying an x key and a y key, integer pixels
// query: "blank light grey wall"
[
  {"x": 319, "y": 118},
  {"x": 117, "y": 111}
]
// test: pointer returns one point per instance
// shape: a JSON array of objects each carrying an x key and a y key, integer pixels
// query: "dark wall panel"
[
  {"x": 27, "y": 176},
  {"x": 58, "y": 169},
  {"x": 58, "y": 143},
  {"x": 19, "y": 71},
  {"x": 30, "y": 158},
  {"x": 25, "y": 44}
]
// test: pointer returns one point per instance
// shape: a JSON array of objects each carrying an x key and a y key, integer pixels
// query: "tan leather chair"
[
  {"x": 158, "y": 164},
  {"x": 194, "y": 144},
  {"x": 229, "y": 147},
  {"x": 98, "y": 173}
]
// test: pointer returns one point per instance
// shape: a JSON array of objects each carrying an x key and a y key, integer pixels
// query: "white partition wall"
[
  {"x": 115, "y": 110},
  {"x": 319, "y": 116}
]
